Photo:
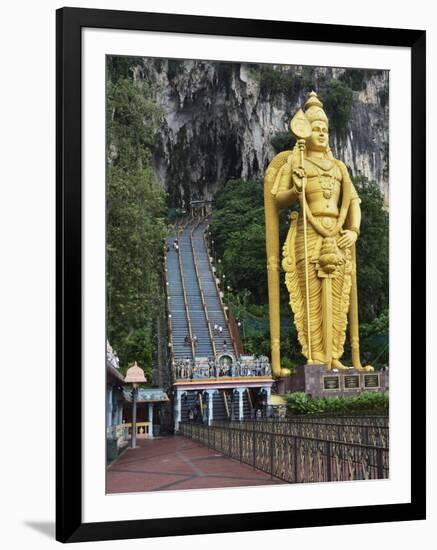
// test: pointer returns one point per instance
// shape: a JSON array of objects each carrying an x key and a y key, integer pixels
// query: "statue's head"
[{"x": 319, "y": 139}]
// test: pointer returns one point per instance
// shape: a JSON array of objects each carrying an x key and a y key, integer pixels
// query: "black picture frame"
[{"x": 70, "y": 22}]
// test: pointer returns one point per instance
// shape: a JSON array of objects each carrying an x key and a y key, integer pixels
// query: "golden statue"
[{"x": 319, "y": 252}]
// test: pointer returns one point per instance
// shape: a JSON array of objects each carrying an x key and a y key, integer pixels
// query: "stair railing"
[
  {"x": 249, "y": 398},
  {"x": 169, "y": 323},
  {"x": 202, "y": 295},
  {"x": 219, "y": 295},
  {"x": 201, "y": 404},
  {"x": 181, "y": 271},
  {"x": 179, "y": 229},
  {"x": 225, "y": 399}
]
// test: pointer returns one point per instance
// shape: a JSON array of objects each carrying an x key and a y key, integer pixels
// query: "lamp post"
[
  {"x": 134, "y": 376},
  {"x": 212, "y": 250},
  {"x": 241, "y": 324}
]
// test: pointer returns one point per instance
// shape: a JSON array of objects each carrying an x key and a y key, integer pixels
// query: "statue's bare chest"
[{"x": 323, "y": 179}]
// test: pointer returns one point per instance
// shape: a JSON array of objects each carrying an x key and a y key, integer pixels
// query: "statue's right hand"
[{"x": 298, "y": 176}]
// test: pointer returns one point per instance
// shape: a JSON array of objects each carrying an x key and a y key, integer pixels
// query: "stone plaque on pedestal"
[
  {"x": 318, "y": 381},
  {"x": 351, "y": 381},
  {"x": 331, "y": 382}
]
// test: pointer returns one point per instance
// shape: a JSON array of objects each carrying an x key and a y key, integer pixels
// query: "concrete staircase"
[{"x": 211, "y": 296}]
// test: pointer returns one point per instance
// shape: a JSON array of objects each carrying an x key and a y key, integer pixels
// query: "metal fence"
[
  {"x": 364, "y": 431},
  {"x": 293, "y": 458},
  {"x": 357, "y": 418}
]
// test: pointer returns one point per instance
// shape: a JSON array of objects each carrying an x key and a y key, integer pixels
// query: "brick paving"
[{"x": 175, "y": 462}]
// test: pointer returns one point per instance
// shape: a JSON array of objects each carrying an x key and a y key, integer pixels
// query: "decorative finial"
[
  {"x": 314, "y": 108},
  {"x": 313, "y": 101}
]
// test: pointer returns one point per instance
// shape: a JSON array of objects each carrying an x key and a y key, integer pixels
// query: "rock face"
[{"x": 220, "y": 117}]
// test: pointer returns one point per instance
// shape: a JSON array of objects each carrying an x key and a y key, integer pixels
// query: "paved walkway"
[{"x": 175, "y": 462}]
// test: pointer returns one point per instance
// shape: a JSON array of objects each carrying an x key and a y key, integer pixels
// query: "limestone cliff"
[{"x": 220, "y": 119}]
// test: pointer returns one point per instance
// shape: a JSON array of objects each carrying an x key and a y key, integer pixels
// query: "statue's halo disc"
[{"x": 300, "y": 125}]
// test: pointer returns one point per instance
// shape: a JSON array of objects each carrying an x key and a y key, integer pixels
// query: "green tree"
[
  {"x": 281, "y": 141},
  {"x": 338, "y": 105},
  {"x": 372, "y": 251},
  {"x": 135, "y": 222}
]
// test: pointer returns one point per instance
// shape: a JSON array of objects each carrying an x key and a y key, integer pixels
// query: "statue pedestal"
[{"x": 319, "y": 381}]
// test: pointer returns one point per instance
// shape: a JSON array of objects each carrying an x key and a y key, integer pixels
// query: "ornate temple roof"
[{"x": 146, "y": 395}]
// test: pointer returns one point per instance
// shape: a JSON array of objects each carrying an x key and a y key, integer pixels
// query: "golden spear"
[{"x": 300, "y": 126}]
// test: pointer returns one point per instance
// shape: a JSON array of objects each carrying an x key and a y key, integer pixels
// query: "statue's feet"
[
  {"x": 335, "y": 364},
  {"x": 367, "y": 368},
  {"x": 285, "y": 372},
  {"x": 317, "y": 359}
]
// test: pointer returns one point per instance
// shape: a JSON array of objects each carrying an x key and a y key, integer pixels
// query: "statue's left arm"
[
  {"x": 353, "y": 218},
  {"x": 350, "y": 232},
  {"x": 351, "y": 227}
]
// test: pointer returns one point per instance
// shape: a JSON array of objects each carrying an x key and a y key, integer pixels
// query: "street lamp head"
[{"x": 135, "y": 376}]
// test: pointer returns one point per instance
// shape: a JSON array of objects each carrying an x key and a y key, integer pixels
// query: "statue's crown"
[{"x": 314, "y": 108}]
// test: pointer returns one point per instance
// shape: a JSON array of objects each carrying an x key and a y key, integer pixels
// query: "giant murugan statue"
[{"x": 319, "y": 253}]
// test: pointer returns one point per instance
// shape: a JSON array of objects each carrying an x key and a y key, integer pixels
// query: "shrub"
[
  {"x": 368, "y": 401},
  {"x": 282, "y": 141}
]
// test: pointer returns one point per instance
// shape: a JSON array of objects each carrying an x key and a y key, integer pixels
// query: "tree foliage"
[
  {"x": 135, "y": 221},
  {"x": 276, "y": 80},
  {"x": 372, "y": 251},
  {"x": 338, "y": 105},
  {"x": 281, "y": 141}
]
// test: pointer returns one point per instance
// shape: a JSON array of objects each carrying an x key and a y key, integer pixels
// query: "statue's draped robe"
[{"x": 328, "y": 181}]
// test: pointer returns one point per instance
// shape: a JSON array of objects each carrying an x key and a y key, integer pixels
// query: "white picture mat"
[{"x": 100, "y": 507}]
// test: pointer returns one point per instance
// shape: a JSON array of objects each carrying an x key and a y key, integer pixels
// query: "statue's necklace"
[
  {"x": 327, "y": 181},
  {"x": 323, "y": 164}
]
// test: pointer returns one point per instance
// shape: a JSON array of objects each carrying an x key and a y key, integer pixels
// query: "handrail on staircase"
[
  {"x": 219, "y": 295},
  {"x": 249, "y": 398},
  {"x": 168, "y": 299},
  {"x": 179, "y": 228},
  {"x": 201, "y": 403},
  {"x": 202, "y": 295},
  {"x": 181, "y": 271},
  {"x": 225, "y": 399}
]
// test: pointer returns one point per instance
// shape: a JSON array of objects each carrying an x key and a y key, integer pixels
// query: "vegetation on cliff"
[{"x": 136, "y": 213}]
